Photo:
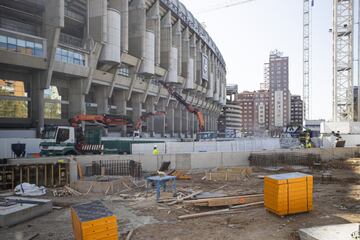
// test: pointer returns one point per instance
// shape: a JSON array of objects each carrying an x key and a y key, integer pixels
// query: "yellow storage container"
[
  {"x": 93, "y": 221},
  {"x": 288, "y": 193}
]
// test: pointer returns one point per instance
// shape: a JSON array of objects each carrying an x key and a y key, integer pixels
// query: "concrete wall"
[
  {"x": 184, "y": 161},
  {"x": 241, "y": 145},
  {"x": 32, "y": 146}
]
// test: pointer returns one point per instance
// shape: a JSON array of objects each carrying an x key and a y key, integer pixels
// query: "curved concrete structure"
[{"x": 79, "y": 54}]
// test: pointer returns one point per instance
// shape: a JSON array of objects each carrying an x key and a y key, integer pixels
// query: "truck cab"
[{"x": 58, "y": 140}]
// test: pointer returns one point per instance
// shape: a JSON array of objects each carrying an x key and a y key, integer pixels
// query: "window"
[
  {"x": 63, "y": 135},
  {"x": 3, "y": 42},
  {"x": 21, "y": 46},
  {"x": 11, "y": 44},
  {"x": 52, "y": 109},
  {"x": 38, "y": 50},
  {"x": 124, "y": 70},
  {"x": 70, "y": 56},
  {"x": 13, "y": 108}
]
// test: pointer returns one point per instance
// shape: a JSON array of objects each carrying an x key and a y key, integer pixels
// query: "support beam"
[
  {"x": 37, "y": 103},
  {"x": 119, "y": 97},
  {"x": 53, "y": 22},
  {"x": 102, "y": 99}
]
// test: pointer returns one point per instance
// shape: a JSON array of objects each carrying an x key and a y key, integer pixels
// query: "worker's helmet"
[{"x": 155, "y": 146}]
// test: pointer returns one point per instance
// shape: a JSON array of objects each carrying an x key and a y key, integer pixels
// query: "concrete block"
[
  {"x": 183, "y": 161},
  {"x": 28, "y": 209},
  {"x": 205, "y": 160},
  {"x": 333, "y": 232}
]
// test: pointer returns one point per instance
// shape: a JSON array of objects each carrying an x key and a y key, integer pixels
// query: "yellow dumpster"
[
  {"x": 93, "y": 221},
  {"x": 288, "y": 193}
]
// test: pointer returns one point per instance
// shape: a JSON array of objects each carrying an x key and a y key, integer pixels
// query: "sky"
[{"x": 245, "y": 35}]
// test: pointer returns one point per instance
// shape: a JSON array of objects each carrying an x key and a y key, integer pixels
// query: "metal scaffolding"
[
  {"x": 343, "y": 60},
  {"x": 306, "y": 58}
]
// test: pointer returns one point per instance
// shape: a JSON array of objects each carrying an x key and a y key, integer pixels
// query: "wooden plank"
[
  {"x": 12, "y": 178},
  {"x": 248, "y": 205},
  {"x": 52, "y": 175},
  {"x": 59, "y": 166},
  {"x": 233, "y": 201},
  {"x": 45, "y": 175},
  {"x": 37, "y": 175},
  {"x": 226, "y": 201},
  {"x": 231, "y": 210},
  {"x": 21, "y": 175},
  {"x": 79, "y": 170}
]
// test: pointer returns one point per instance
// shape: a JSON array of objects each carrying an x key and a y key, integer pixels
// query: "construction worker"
[
  {"x": 155, "y": 151},
  {"x": 308, "y": 140}
]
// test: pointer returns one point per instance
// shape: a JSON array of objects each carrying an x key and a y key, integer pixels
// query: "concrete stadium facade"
[{"x": 60, "y": 58}]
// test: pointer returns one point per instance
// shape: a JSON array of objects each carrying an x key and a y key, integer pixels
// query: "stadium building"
[{"x": 59, "y": 58}]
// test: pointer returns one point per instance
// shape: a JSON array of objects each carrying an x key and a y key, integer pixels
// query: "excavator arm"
[
  {"x": 145, "y": 116},
  {"x": 188, "y": 106}
]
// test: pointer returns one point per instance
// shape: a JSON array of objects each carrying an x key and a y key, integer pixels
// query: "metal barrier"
[{"x": 115, "y": 168}]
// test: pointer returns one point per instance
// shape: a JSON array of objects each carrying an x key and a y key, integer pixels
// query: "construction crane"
[
  {"x": 307, "y": 55},
  {"x": 189, "y": 107},
  {"x": 223, "y": 5},
  {"x": 343, "y": 56}
]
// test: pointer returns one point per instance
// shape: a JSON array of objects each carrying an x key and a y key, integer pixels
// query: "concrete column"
[
  {"x": 102, "y": 99},
  {"x": 159, "y": 123},
  {"x": 166, "y": 40},
  {"x": 198, "y": 78},
  {"x": 153, "y": 24},
  {"x": 76, "y": 97},
  {"x": 120, "y": 103},
  {"x": 170, "y": 116},
  {"x": 123, "y": 7},
  {"x": 137, "y": 21},
  {"x": 185, "y": 122},
  {"x": 178, "y": 121},
  {"x": 136, "y": 103},
  {"x": 150, "y": 107},
  {"x": 185, "y": 52},
  {"x": 177, "y": 42},
  {"x": 37, "y": 103},
  {"x": 193, "y": 55}
]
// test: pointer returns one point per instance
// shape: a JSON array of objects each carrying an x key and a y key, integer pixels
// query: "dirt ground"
[{"x": 335, "y": 202}]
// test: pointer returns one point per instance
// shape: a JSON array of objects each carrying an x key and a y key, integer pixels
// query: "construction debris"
[{"x": 179, "y": 175}]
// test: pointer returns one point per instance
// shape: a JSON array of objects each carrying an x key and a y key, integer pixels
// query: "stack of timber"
[
  {"x": 225, "y": 201},
  {"x": 229, "y": 174}
]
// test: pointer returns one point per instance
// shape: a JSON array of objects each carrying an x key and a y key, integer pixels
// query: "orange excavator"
[{"x": 188, "y": 106}]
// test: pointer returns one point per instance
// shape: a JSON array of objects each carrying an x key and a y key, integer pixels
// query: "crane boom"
[
  {"x": 188, "y": 106},
  {"x": 105, "y": 120},
  {"x": 145, "y": 116}
]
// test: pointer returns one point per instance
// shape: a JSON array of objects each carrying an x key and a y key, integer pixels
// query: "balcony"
[{"x": 22, "y": 43}]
